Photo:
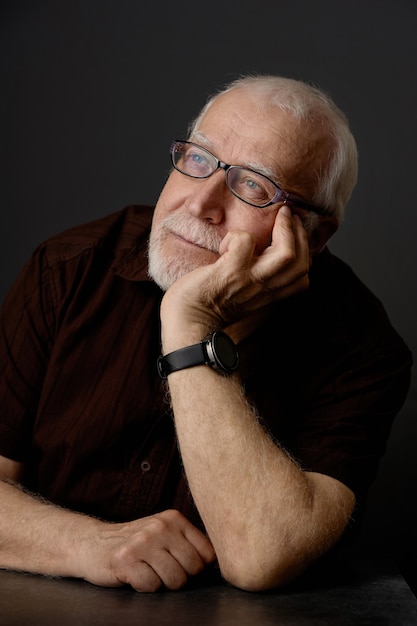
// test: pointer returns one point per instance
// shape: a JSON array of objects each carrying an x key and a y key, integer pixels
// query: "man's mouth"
[
  {"x": 197, "y": 244},
  {"x": 209, "y": 240}
]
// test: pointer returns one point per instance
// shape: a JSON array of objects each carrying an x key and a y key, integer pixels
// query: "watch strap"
[{"x": 183, "y": 358}]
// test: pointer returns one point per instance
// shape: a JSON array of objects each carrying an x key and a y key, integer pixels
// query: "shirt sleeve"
[
  {"x": 345, "y": 432},
  {"x": 26, "y": 335}
]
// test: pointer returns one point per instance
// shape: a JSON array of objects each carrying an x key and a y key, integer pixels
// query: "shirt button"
[{"x": 145, "y": 466}]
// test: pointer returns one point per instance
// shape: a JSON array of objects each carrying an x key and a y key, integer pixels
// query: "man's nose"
[{"x": 208, "y": 197}]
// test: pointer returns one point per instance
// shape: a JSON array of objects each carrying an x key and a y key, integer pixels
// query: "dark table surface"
[{"x": 354, "y": 593}]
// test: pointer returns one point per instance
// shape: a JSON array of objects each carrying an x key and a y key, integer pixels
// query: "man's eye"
[
  {"x": 254, "y": 190},
  {"x": 253, "y": 185},
  {"x": 196, "y": 162},
  {"x": 198, "y": 159}
]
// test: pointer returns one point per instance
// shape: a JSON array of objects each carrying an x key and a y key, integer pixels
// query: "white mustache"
[{"x": 195, "y": 231}]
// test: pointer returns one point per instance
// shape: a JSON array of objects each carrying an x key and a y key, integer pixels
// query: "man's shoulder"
[
  {"x": 114, "y": 233},
  {"x": 333, "y": 279},
  {"x": 347, "y": 309}
]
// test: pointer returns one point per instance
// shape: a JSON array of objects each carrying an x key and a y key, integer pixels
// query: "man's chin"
[
  {"x": 166, "y": 274},
  {"x": 168, "y": 263}
]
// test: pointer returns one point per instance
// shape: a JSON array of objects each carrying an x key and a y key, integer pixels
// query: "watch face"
[{"x": 225, "y": 351}]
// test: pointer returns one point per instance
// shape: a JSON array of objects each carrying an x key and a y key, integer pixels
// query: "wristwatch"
[{"x": 217, "y": 350}]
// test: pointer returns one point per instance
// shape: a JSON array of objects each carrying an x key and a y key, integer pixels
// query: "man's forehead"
[
  {"x": 259, "y": 166},
  {"x": 268, "y": 140},
  {"x": 238, "y": 116}
]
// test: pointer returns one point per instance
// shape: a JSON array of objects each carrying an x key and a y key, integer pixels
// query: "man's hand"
[
  {"x": 240, "y": 283},
  {"x": 148, "y": 553}
]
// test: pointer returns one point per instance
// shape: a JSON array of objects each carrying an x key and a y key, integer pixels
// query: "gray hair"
[{"x": 335, "y": 183}]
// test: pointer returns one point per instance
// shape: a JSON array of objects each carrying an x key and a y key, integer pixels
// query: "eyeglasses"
[{"x": 249, "y": 186}]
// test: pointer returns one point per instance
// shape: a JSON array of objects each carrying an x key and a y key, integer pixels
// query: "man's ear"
[{"x": 327, "y": 226}]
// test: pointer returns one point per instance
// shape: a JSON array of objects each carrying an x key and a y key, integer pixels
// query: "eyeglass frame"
[{"x": 281, "y": 196}]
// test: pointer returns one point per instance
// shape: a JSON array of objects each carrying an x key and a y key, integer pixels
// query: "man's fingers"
[
  {"x": 165, "y": 549},
  {"x": 289, "y": 246},
  {"x": 141, "y": 577},
  {"x": 200, "y": 542},
  {"x": 237, "y": 248},
  {"x": 301, "y": 240}
]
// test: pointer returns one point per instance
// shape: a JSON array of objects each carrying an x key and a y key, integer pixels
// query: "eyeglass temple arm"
[{"x": 301, "y": 204}]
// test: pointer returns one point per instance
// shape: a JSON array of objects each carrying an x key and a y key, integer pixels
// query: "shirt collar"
[{"x": 132, "y": 263}]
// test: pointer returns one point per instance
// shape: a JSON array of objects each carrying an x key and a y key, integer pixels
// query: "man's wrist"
[
  {"x": 217, "y": 351},
  {"x": 174, "y": 337}
]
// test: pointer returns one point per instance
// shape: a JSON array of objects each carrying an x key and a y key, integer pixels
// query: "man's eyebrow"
[
  {"x": 262, "y": 169},
  {"x": 197, "y": 136},
  {"x": 252, "y": 165}
]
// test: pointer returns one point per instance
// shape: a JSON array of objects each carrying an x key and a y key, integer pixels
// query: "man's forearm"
[
  {"x": 266, "y": 518},
  {"x": 164, "y": 549},
  {"x": 38, "y": 537}
]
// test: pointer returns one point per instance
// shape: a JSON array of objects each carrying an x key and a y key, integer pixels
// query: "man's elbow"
[
  {"x": 261, "y": 574},
  {"x": 273, "y": 566}
]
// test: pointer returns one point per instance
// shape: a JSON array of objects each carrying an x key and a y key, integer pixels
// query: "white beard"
[{"x": 165, "y": 271}]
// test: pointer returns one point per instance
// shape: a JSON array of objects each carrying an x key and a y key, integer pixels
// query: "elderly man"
[{"x": 203, "y": 382}]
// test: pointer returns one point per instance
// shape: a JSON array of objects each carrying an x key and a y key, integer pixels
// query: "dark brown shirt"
[{"x": 82, "y": 405}]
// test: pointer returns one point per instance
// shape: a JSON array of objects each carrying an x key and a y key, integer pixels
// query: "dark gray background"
[{"x": 92, "y": 92}]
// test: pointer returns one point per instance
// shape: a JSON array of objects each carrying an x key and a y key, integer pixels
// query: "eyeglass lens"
[{"x": 246, "y": 184}]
